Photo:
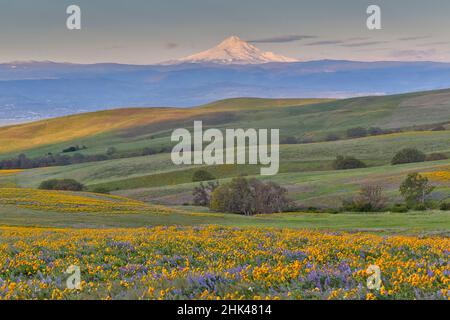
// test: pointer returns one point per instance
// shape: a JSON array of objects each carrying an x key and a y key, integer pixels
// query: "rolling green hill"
[
  {"x": 305, "y": 168},
  {"x": 308, "y": 119}
]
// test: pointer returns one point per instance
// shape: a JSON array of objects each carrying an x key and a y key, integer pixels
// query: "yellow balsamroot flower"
[{"x": 211, "y": 262}]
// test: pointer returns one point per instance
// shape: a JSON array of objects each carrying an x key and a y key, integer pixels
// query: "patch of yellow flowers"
[
  {"x": 10, "y": 172},
  {"x": 438, "y": 176},
  {"x": 66, "y": 201},
  {"x": 219, "y": 263}
]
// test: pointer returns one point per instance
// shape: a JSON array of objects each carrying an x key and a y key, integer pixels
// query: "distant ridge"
[{"x": 37, "y": 90}]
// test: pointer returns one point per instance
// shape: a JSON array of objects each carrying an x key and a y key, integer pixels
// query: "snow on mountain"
[{"x": 234, "y": 50}]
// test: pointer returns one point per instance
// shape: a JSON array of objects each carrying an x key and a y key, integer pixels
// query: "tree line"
[{"x": 51, "y": 160}]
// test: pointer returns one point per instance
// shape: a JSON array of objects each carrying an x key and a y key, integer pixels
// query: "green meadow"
[{"x": 305, "y": 167}]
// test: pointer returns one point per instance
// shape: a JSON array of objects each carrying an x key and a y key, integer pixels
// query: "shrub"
[
  {"x": 249, "y": 197},
  {"x": 110, "y": 151},
  {"x": 408, "y": 156},
  {"x": 399, "y": 208},
  {"x": 436, "y": 157},
  {"x": 62, "y": 184},
  {"x": 415, "y": 189},
  {"x": 345, "y": 163},
  {"x": 332, "y": 137},
  {"x": 420, "y": 207},
  {"x": 375, "y": 131},
  {"x": 70, "y": 149},
  {"x": 354, "y": 206},
  {"x": 202, "y": 175},
  {"x": 148, "y": 151},
  {"x": 358, "y": 132},
  {"x": 439, "y": 128},
  {"x": 445, "y": 206},
  {"x": 289, "y": 140}
]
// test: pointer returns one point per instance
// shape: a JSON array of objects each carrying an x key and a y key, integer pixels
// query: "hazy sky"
[{"x": 150, "y": 31}]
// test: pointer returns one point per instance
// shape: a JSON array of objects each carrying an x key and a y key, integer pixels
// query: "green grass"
[
  {"x": 411, "y": 223},
  {"x": 315, "y": 189},
  {"x": 158, "y": 170}
]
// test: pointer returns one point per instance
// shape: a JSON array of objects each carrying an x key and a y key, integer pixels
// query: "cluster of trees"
[
  {"x": 352, "y": 133},
  {"x": 243, "y": 196},
  {"x": 360, "y": 132},
  {"x": 345, "y": 163},
  {"x": 202, "y": 175},
  {"x": 408, "y": 155},
  {"x": 411, "y": 155},
  {"x": 415, "y": 190},
  {"x": 61, "y": 184},
  {"x": 52, "y": 160},
  {"x": 74, "y": 148}
]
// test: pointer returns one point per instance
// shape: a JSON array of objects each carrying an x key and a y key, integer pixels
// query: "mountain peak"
[
  {"x": 232, "y": 41},
  {"x": 234, "y": 50}
]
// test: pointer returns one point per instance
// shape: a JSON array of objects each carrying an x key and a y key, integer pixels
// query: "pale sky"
[{"x": 151, "y": 31}]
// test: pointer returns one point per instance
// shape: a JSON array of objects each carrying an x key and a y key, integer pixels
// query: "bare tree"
[
  {"x": 372, "y": 195},
  {"x": 202, "y": 193}
]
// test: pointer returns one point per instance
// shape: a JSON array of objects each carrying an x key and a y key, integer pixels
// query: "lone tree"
[
  {"x": 408, "y": 155},
  {"x": 370, "y": 198},
  {"x": 202, "y": 193},
  {"x": 415, "y": 189}
]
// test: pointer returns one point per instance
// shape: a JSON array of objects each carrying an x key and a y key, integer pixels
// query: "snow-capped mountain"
[{"x": 234, "y": 50}]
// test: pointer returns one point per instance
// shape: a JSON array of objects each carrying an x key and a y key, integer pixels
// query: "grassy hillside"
[
  {"x": 315, "y": 189},
  {"x": 158, "y": 170},
  {"x": 71, "y": 128},
  {"x": 141, "y": 182},
  {"x": 307, "y": 119}
]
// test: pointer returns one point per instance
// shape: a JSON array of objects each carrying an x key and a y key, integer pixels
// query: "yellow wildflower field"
[
  {"x": 219, "y": 263},
  {"x": 66, "y": 201}
]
